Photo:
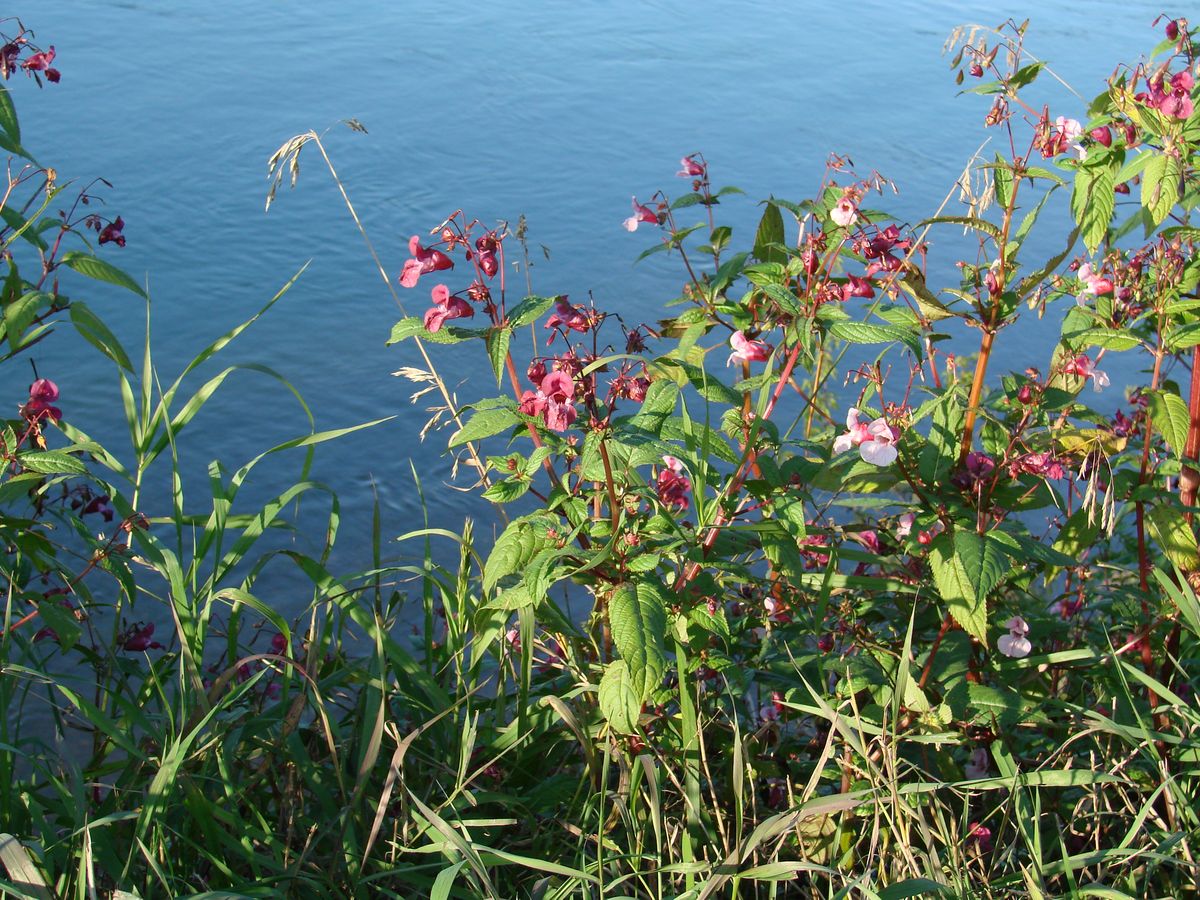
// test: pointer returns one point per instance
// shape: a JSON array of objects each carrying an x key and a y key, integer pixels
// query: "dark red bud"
[
  {"x": 976, "y": 70},
  {"x": 1025, "y": 394},
  {"x": 1121, "y": 189},
  {"x": 1102, "y": 135},
  {"x": 1173, "y": 30}
]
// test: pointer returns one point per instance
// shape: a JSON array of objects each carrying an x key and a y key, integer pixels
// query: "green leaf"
[
  {"x": 448, "y": 334},
  {"x": 1109, "y": 338},
  {"x": 619, "y": 701},
  {"x": 506, "y": 491},
  {"x": 51, "y": 462},
  {"x": 982, "y": 225},
  {"x": 1002, "y": 180},
  {"x": 529, "y": 310},
  {"x": 8, "y": 116},
  {"x": 100, "y": 270},
  {"x": 93, "y": 330},
  {"x": 1160, "y": 186},
  {"x": 787, "y": 301},
  {"x": 66, "y": 628},
  {"x": 1169, "y": 414},
  {"x": 1175, "y": 536},
  {"x": 864, "y": 333},
  {"x": 769, "y": 238},
  {"x": 1093, "y": 202},
  {"x": 516, "y": 547},
  {"x": 966, "y": 567},
  {"x": 485, "y": 423},
  {"x": 638, "y": 617},
  {"x": 497, "y": 348}
]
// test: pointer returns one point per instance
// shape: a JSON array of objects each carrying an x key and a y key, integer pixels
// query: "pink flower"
[
  {"x": 747, "y": 350},
  {"x": 138, "y": 638},
  {"x": 904, "y": 524},
  {"x": 111, "y": 233},
  {"x": 845, "y": 213},
  {"x": 856, "y": 287},
  {"x": 978, "y": 765},
  {"x": 40, "y": 62},
  {"x": 673, "y": 486},
  {"x": 423, "y": 262},
  {"x": 1096, "y": 283},
  {"x": 553, "y": 402},
  {"x": 692, "y": 167},
  {"x": 486, "y": 254},
  {"x": 567, "y": 316},
  {"x": 42, "y": 394},
  {"x": 1015, "y": 644},
  {"x": 640, "y": 214},
  {"x": 1083, "y": 367},
  {"x": 1173, "y": 100},
  {"x": 445, "y": 307},
  {"x": 980, "y": 835},
  {"x": 876, "y": 440}
]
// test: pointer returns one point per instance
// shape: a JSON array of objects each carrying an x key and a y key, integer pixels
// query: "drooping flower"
[
  {"x": 1083, "y": 367},
  {"x": 845, "y": 213},
  {"x": 566, "y": 315},
  {"x": 445, "y": 307},
  {"x": 1095, "y": 282},
  {"x": 485, "y": 248},
  {"x": 424, "y": 261},
  {"x": 112, "y": 233},
  {"x": 139, "y": 637},
  {"x": 747, "y": 350},
  {"x": 1015, "y": 644},
  {"x": 640, "y": 214},
  {"x": 691, "y": 167},
  {"x": 1063, "y": 134},
  {"x": 856, "y": 287},
  {"x": 42, "y": 394},
  {"x": 904, "y": 524},
  {"x": 673, "y": 486},
  {"x": 875, "y": 440},
  {"x": 40, "y": 62}
]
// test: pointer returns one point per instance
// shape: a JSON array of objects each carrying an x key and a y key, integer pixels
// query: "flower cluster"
[{"x": 673, "y": 486}]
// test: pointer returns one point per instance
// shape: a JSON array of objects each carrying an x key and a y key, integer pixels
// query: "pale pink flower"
[
  {"x": 1015, "y": 644},
  {"x": 978, "y": 766},
  {"x": 746, "y": 350},
  {"x": 1083, "y": 367},
  {"x": 845, "y": 213},
  {"x": 876, "y": 440},
  {"x": 904, "y": 524},
  {"x": 691, "y": 167},
  {"x": 640, "y": 214}
]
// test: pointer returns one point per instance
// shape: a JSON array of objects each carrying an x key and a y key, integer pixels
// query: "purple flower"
[
  {"x": 1015, "y": 644},
  {"x": 42, "y": 394},
  {"x": 112, "y": 233}
]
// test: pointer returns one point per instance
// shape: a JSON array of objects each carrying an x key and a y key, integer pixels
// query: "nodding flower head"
[
  {"x": 565, "y": 315},
  {"x": 640, "y": 214},
  {"x": 673, "y": 486},
  {"x": 445, "y": 307},
  {"x": 112, "y": 233},
  {"x": 40, "y": 62},
  {"x": 747, "y": 350},
  {"x": 424, "y": 261},
  {"x": 691, "y": 167},
  {"x": 42, "y": 394},
  {"x": 1083, "y": 367},
  {"x": 1015, "y": 644}
]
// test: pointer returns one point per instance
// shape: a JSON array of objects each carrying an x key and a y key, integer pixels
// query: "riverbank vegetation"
[{"x": 796, "y": 591}]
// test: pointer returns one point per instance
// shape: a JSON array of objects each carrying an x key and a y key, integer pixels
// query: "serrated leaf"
[
  {"x": 497, "y": 348},
  {"x": 51, "y": 462},
  {"x": 1169, "y": 415},
  {"x": 964, "y": 601},
  {"x": 485, "y": 423},
  {"x": 769, "y": 237},
  {"x": 1173, "y": 533},
  {"x": 517, "y": 545},
  {"x": 529, "y": 310},
  {"x": 1160, "y": 186},
  {"x": 447, "y": 334},
  {"x": 100, "y": 270},
  {"x": 619, "y": 701},
  {"x": 787, "y": 301},
  {"x": 638, "y": 618},
  {"x": 506, "y": 491},
  {"x": 1093, "y": 202},
  {"x": 982, "y": 225}
]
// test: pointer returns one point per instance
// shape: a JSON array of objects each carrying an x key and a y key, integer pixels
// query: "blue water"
[{"x": 556, "y": 111}]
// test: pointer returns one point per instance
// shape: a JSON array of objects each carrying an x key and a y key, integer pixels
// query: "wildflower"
[
  {"x": 1064, "y": 133},
  {"x": 138, "y": 638},
  {"x": 567, "y": 316},
  {"x": 673, "y": 486},
  {"x": 279, "y": 643},
  {"x": 924, "y": 538},
  {"x": 978, "y": 466},
  {"x": 1172, "y": 30},
  {"x": 904, "y": 524},
  {"x": 424, "y": 261},
  {"x": 445, "y": 307},
  {"x": 553, "y": 401},
  {"x": 976, "y": 70},
  {"x": 978, "y": 765},
  {"x": 40, "y": 62},
  {"x": 513, "y": 636},
  {"x": 1096, "y": 283},
  {"x": 1015, "y": 644},
  {"x": 1083, "y": 367},
  {"x": 876, "y": 440},
  {"x": 692, "y": 167},
  {"x": 1172, "y": 99},
  {"x": 845, "y": 213},
  {"x": 825, "y": 642},
  {"x": 746, "y": 350},
  {"x": 42, "y": 394},
  {"x": 112, "y": 233},
  {"x": 869, "y": 539},
  {"x": 640, "y": 214},
  {"x": 856, "y": 287},
  {"x": 1102, "y": 135},
  {"x": 486, "y": 254},
  {"x": 980, "y": 835}
]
